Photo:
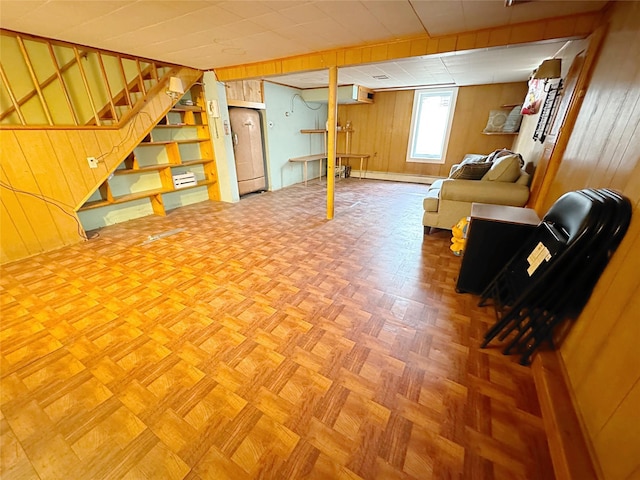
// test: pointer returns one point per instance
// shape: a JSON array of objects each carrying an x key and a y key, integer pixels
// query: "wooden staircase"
[{"x": 99, "y": 88}]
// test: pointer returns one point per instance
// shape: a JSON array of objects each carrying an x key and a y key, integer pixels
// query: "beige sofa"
[{"x": 504, "y": 181}]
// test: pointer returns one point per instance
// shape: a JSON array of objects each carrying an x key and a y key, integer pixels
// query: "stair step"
[
  {"x": 136, "y": 97},
  {"x": 162, "y": 71}
]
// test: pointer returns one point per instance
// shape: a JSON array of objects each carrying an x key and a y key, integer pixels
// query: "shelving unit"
[
  {"x": 143, "y": 184},
  {"x": 321, "y": 156},
  {"x": 346, "y": 131}
]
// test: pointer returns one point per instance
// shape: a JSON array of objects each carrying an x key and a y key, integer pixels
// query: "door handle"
[{"x": 235, "y": 139}]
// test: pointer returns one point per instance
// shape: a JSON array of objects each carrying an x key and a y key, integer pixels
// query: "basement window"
[{"x": 431, "y": 121}]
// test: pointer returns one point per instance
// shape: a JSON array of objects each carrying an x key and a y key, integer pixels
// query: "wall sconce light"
[
  {"x": 176, "y": 89},
  {"x": 550, "y": 68}
]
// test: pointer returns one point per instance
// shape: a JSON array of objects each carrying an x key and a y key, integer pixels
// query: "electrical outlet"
[{"x": 93, "y": 162}]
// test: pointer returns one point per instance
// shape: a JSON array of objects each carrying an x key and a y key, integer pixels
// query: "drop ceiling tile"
[
  {"x": 397, "y": 17},
  {"x": 49, "y": 18},
  {"x": 153, "y": 34},
  {"x": 180, "y": 8},
  {"x": 247, "y": 8},
  {"x": 440, "y": 17},
  {"x": 485, "y": 14},
  {"x": 526, "y": 12},
  {"x": 356, "y": 18},
  {"x": 129, "y": 18},
  {"x": 303, "y": 13},
  {"x": 299, "y": 34},
  {"x": 207, "y": 18},
  {"x": 268, "y": 42},
  {"x": 243, "y": 28},
  {"x": 141, "y": 13},
  {"x": 79, "y": 10},
  {"x": 39, "y": 26},
  {"x": 343, "y": 10},
  {"x": 273, "y": 20},
  {"x": 19, "y": 8}
]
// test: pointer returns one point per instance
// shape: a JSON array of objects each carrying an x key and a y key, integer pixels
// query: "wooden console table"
[
  {"x": 323, "y": 156},
  {"x": 310, "y": 158},
  {"x": 361, "y": 156}
]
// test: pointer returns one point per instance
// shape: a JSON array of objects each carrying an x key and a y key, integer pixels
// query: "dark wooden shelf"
[
  {"x": 168, "y": 142},
  {"x": 200, "y": 161},
  {"x": 186, "y": 108},
  {"x": 500, "y": 133},
  {"x": 137, "y": 196},
  {"x": 179, "y": 125},
  {"x": 151, "y": 144},
  {"x": 149, "y": 168}
]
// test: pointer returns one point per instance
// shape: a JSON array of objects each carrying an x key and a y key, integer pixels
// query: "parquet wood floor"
[{"x": 261, "y": 342}]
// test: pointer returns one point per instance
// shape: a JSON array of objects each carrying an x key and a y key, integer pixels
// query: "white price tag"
[{"x": 540, "y": 254}]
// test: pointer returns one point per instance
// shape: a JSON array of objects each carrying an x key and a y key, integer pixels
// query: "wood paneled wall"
[
  {"x": 601, "y": 354},
  {"x": 245, "y": 90},
  {"x": 46, "y": 178},
  {"x": 381, "y": 129}
]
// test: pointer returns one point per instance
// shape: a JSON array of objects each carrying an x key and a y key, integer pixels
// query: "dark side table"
[{"x": 494, "y": 235}]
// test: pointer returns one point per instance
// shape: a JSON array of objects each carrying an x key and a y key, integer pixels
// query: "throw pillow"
[
  {"x": 471, "y": 171},
  {"x": 497, "y": 119},
  {"x": 473, "y": 158},
  {"x": 504, "y": 169},
  {"x": 512, "y": 123},
  {"x": 503, "y": 152},
  {"x": 498, "y": 153}
]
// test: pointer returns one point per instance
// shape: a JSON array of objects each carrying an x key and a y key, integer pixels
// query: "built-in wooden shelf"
[
  {"x": 130, "y": 197},
  {"x": 170, "y": 157}
]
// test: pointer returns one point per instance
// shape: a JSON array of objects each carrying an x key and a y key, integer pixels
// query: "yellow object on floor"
[{"x": 459, "y": 238}]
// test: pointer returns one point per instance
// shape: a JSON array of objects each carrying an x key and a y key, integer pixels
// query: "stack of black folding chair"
[{"x": 552, "y": 276}]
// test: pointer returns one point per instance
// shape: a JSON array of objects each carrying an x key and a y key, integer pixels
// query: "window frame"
[{"x": 417, "y": 96}]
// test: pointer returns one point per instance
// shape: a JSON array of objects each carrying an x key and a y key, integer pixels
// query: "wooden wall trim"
[
  {"x": 570, "y": 452},
  {"x": 573, "y": 26}
]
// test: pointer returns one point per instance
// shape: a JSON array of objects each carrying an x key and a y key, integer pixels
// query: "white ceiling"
[{"x": 207, "y": 34}]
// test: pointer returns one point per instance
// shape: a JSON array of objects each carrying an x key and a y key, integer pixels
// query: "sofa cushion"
[
  {"x": 524, "y": 178},
  {"x": 468, "y": 158},
  {"x": 471, "y": 171},
  {"x": 473, "y": 158},
  {"x": 504, "y": 169},
  {"x": 496, "y": 154}
]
